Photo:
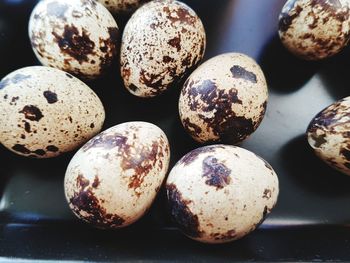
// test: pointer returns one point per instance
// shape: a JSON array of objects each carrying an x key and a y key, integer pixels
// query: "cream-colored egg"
[
  {"x": 114, "y": 178},
  {"x": 224, "y": 99},
  {"x": 315, "y": 30},
  {"x": 77, "y": 36},
  {"x": 220, "y": 193},
  {"x": 329, "y": 135},
  {"x": 161, "y": 42},
  {"x": 122, "y": 6},
  {"x": 45, "y": 112}
]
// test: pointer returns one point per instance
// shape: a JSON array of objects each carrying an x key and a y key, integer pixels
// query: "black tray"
[{"x": 311, "y": 219}]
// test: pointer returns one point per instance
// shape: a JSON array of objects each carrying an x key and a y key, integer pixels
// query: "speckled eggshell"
[
  {"x": 113, "y": 179},
  {"x": 315, "y": 29},
  {"x": 77, "y": 36},
  {"x": 220, "y": 193},
  {"x": 329, "y": 135},
  {"x": 224, "y": 99},
  {"x": 161, "y": 42},
  {"x": 122, "y": 6},
  {"x": 45, "y": 112}
]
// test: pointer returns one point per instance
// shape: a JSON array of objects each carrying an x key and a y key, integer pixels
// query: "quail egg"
[
  {"x": 77, "y": 36},
  {"x": 220, "y": 193},
  {"x": 314, "y": 29},
  {"x": 224, "y": 99},
  {"x": 45, "y": 112},
  {"x": 329, "y": 135},
  {"x": 161, "y": 42},
  {"x": 114, "y": 178}
]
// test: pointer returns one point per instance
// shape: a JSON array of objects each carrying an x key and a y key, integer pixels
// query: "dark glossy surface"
[{"x": 311, "y": 218}]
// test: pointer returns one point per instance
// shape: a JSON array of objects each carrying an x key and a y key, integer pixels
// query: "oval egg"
[
  {"x": 80, "y": 37},
  {"x": 114, "y": 178},
  {"x": 315, "y": 30},
  {"x": 161, "y": 42},
  {"x": 122, "y": 6},
  {"x": 220, "y": 193},
  {"x": 45, "y": 112},
  {"x": 224, "y": 99},
  {"x": 328, "y": 134}
]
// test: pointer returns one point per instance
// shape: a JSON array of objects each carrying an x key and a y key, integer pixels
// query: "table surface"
[{"x": 311, "y": 218}]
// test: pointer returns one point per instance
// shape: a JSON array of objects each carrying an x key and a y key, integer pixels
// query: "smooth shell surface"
[
  {"x": 161, "y": 42},
  {"x": 329, "y": 135},
  {"x": 122, "y": 6},
  {"x": 224, "y": 99},
  {"x": 45, "y": 112},
  {"x": 77, "y": 36},
  {"x": 219, "y": 193},
  {"x": 113, "y": 179},
  {"x": 315, "y": 29}
]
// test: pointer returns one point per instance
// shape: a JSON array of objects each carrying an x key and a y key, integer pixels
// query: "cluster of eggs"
[
  {"x": 314, "y": 30},
  {"x": 215, "y": 193}
]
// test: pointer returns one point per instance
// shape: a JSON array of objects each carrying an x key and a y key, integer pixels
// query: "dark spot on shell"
[
  {"x": 39, "y": 152},
  {"x": 155, "y": 82},
  {"x": 14, "y": 99},
  {"x": 229, "y": 235},
  {"x": 192, "y": 128},
  {"x": 267, "y": 194},
  {"x": 236, "y": 129},
  {"x": 142, "y": 163},
  {"x": 346, "y": 153},
  {"x": 27, "y": 127},
  {"x": 21, "y": 148},
  {"x": 87, "y": 205},
  {"x": 32, "y": 113},
  {"x": 133, "y": 87},
  {"x": 52, "y": 148},
  {"x": 329, "y": 118},
  {"x": 216, "y": 174},
  {"x": 109, "y": 48},
  {"x": 167, "y": 59},
  {"x": 176, "y": 43},
  {"x": 75, "y": 45},
  {"x": 96, "y": 182},
  {"x": 50, "y": 96},
  {"x": 92, "y": 125},
  {"x": 239, "y": 72},
  {"x": 69, "y": 75},
  {"x": 57, "y": 9},
  {"x": 287, "y": 19},
  {"x": 180, "y": 15},
  {"x": 187, "y": 221},
  {"x": 319, "y": 140}
]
